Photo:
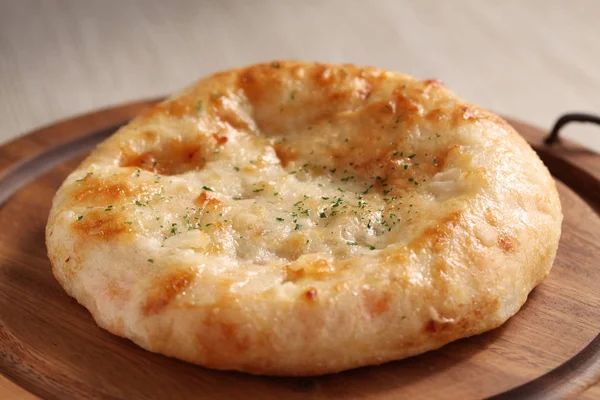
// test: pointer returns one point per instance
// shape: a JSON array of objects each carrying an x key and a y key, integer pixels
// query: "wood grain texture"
[
  {"x": 10, "y": 390},
  {"x": 531, "y": 59},
  {"x": 51, "y": 347}
]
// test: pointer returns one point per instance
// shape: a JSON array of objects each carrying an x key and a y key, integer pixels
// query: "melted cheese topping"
[{"x": 242, "y": 187}]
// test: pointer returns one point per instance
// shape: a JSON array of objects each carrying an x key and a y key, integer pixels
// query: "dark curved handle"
[{"x": 565, "y": 119}]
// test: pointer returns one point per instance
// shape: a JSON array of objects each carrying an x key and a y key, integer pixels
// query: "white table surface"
[{"x": 530, "y": 59}]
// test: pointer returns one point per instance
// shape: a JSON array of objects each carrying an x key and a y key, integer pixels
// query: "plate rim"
[{"x": 24, "y": 169}]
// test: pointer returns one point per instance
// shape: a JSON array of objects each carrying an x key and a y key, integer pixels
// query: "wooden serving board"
[{"x": 50, "y": 346}]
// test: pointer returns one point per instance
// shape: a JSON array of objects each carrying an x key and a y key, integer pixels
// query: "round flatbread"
[{"x": 296, "y": 218}]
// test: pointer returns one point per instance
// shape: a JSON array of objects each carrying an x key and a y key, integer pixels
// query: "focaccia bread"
[{"x": 296, "y": 218}]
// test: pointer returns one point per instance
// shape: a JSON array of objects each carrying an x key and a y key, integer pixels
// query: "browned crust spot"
[
  {"x": 311, "y": 294},
  {"x": 462, "y": 114},
  {"x": 100, "y": 192},
  {"x": 219, "y": 337},
  {"x": 404, "y": 104},
  {"x": 106, "y": 225},
  {"x": 328, "y": 78},
  {"x": 227, "y": 333},
  {"x": 116, "y": 291},
  {"x": 441, "y": 158},
  {"x": 285, "y": 153},
  {"x": 204, "y": 201},
  {"x": 490, "y": 218},
  {"x": 292, "y": 275},
  {"x": 165, "y": 288},
  {"x": 317, "y": 270},
  {"x": 220, "y": 140},
  {"x": 259, "y": 81},
  {"x": 172, "y": 158},
  {"x": 433, "y": 82},
  {"x": 177, "y": 108},
  {"x": 506, "y": 242},
  {"x": 375, "y": 303},
  {"x": 433, "y": 326},
  {"x": 437, "y": 234}
]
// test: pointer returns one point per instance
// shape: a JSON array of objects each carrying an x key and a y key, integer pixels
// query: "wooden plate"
[{"x": 51, "y": 347}]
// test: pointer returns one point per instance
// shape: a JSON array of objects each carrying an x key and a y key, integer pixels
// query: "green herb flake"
[
  {"x": 293, "y": 95},
  {"x": 412, "y": 156},
  {"x": 236, "y": 198},
  {"x": 275, "y": 65},
  {"x": 352, "y": 243},
  {"x": 80, "y": 218},
  {"x": 279, "y": 219},
  {"x": 322, "y": 215},
  {"x": 207, "y": 188},
  {"x": 150, "y": 260},
  {"x": 237, "y": 169},
  {"x": 371, "y": 247},
  {"x": 199, "y": 106},
  {"x": 258, "y": 190},
  {"x": 298, "y": 227},
  {"x": 109, "y": 208},
  {"x": 85, "y": 177}
]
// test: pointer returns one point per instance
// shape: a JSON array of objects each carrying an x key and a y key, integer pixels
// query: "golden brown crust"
[{"x": 292, "y": 218}]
